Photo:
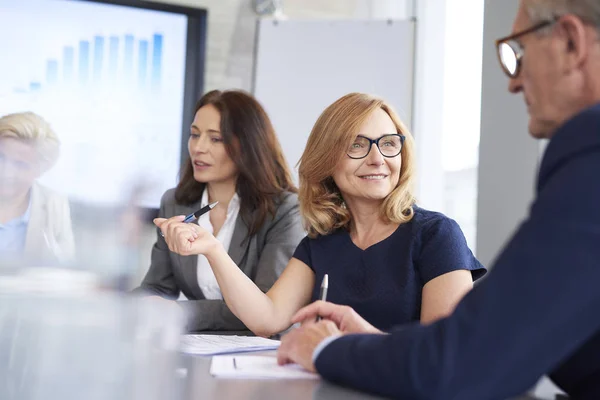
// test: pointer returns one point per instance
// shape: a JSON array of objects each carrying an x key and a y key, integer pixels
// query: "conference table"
[{"x": 197, "y": 383}]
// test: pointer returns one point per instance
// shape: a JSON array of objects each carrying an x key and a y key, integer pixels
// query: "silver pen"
[{"x": 323, "y": 293}]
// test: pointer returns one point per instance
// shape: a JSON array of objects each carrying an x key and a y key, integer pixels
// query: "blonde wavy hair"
[{"x": 321, "y": 203}]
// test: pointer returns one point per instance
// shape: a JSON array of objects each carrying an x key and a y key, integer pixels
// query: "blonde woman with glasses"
[
  {"x": 35, "y": 222},
  {"x": 390, "y": 260}
]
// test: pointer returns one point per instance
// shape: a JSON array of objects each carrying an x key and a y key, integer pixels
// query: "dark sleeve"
[
  {"x": 281, "y": 238},
  {"x": 159, "y": 279},
  {"x": 302, "y": 252},
  {"x": 444, "y": 249},
  {"x": 539, "y": 304}
]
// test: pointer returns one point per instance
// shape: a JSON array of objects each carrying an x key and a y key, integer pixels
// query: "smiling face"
[
  {"x": 373, "y": 177},
  {"x": 208, "y": 153}
]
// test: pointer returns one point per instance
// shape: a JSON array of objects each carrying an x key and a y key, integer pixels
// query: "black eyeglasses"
[
  {"x": 510, "y": 52},
  {"x": 389, "y": 145}
]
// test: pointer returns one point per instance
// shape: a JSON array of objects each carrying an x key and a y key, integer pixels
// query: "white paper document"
[
  {"x": 207, "y": 345},
  {"x": 256, "y": 367}
]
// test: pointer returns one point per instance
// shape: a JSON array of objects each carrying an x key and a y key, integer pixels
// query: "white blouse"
[{"x": 206, "y": 278}]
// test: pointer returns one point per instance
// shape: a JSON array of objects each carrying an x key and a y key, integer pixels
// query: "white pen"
[{"x": 323, "y": 293}]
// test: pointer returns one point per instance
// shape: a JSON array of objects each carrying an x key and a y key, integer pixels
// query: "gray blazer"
[{"x": 262, "y": 257}]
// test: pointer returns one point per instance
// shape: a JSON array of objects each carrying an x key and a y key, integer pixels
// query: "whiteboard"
[{"x": 301, "y": 67}]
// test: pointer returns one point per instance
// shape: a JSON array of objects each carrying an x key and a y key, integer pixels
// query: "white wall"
[
  {"x": 231, "y": 34},
  {"x": 428, "y": 120},
  {"x": 385, "y": 9},
  {"x": 461, "y": 113}
]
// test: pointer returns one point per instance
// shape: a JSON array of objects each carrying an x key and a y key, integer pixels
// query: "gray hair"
[
  {"x": 547, "y": 10},
  {"x": 33, "y": 129}
]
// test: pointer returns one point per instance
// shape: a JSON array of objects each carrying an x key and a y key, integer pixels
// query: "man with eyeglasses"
[{"x": 539, "y": 311}]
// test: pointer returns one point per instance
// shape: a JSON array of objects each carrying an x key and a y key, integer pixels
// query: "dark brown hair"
[{"x": 263, "y": 174}]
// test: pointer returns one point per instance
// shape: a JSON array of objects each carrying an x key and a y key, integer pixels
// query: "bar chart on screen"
[
  {"x": 110, "y": 81},
  {"x": 103, "y": 61}
]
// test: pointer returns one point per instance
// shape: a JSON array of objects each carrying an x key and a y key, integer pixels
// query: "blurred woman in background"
[
  {"x": 35, "y": 222},
  {"x": 235, "y": 159}
]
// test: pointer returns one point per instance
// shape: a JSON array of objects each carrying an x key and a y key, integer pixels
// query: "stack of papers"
[
  {"x": 256, "y": 367},
  {"x": 208, "y": 345}
]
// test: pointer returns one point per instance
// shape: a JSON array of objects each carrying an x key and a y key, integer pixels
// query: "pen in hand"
[
  {"x": 194, "y": 216},
  {"x": 323, "y": 293}
]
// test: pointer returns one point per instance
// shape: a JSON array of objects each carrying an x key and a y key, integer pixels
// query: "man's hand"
[
  {"x": 346, "y": 319},
  {"x": 298, "y": 345},
  {"x": 186, "y": 239}
]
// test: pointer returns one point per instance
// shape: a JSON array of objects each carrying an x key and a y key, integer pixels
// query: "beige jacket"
[{"x": 49, "y": 232}]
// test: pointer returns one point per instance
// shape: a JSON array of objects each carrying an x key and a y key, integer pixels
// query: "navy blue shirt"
[
  {"x": 383, "y": 283},
  {"x": 537, "y": 313}
]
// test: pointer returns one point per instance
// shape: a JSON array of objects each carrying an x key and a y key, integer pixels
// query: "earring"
[{"x": 342, "y": 202}]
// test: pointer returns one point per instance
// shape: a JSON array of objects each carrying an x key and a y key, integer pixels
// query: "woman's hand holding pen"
[{"x": 186, "y": 238}]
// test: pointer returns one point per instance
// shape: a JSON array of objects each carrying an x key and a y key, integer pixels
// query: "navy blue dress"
[{"x": 383, "y": 283}]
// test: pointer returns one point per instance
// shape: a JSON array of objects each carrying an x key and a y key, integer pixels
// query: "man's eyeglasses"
[
  {"x": 510, "y": 52},
  {"x": 389, "y": 146}
]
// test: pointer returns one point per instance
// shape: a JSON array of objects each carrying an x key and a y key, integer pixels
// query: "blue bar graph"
[
  {"x": 157, "y": 44},
  {"x": 52, "y": 72},
  {"x": 104, "y": 58},
  {"x": 84, "y": 61},
  {"x": 143, "y": 62},
  {"x": 128, "y": 57},
  {"x": 98, "y": 58},
  {"x": 68, "y": 63},
  {"x": 113, "y": 56}
]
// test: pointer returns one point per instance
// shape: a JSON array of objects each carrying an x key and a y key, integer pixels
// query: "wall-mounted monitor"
[{"x": 116, "y": 79}]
